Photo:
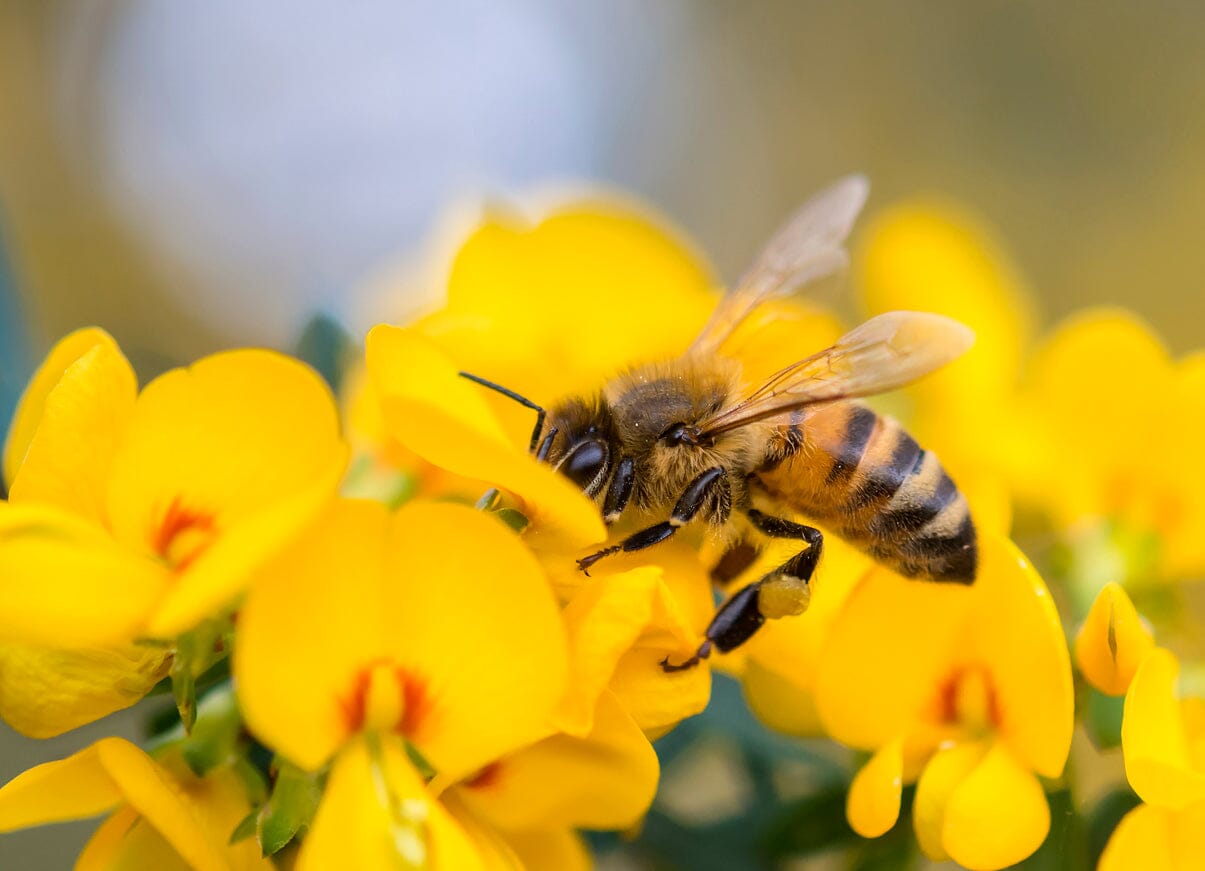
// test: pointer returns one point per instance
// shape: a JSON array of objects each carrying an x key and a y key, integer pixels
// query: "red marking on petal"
[
  {"x": 177, "y": 522},
  {"x": 486, "y": 777}
]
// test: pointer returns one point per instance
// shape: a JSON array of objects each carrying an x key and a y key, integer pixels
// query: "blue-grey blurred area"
[{"x": 202, "y": 175}]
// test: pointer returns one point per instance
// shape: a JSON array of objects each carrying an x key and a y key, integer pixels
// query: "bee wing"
[
  {"x": 882, "y": 354},
  {"x": 809, "y": 246}
]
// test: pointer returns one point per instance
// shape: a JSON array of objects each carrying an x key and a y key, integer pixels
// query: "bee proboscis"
[{"x": 686, "y": 440}]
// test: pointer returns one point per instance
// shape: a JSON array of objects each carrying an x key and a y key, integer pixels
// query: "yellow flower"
[
  {"x": 934, "y": 256},
  {"x": 1113, "y": 642},
  {"x": 434, "y": 628},
  {"x": 1163, "y": 737},
  {"x": 162, "y": 817},
  {"x": 1163, "y": 741},
  {"x": 968, "y": 691},
  {"x": 137, "y": 515},
  {"x": 1118, "y": 424}
]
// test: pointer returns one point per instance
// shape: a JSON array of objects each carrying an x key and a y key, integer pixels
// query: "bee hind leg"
[{"x": 780, "y": 593}]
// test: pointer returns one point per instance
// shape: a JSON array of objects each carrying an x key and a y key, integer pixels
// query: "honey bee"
[{"x": 687, "y": 441}]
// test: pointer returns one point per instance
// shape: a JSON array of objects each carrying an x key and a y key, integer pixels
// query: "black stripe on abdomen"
[{"x": 858, "y": 428}]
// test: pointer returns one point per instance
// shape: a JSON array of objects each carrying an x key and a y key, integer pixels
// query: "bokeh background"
[{"x": 199, "y": 176}]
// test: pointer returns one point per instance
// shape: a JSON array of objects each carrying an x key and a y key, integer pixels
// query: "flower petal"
[
  {"x": 997, "y": 815},
  {"x": 45, "y": 691},
  {"x": 473, "y": 645},
  {"x": 1141, "y": 840},
  {"x": 621, "y": 624},
  {"x": 866, "y": 691},
  {"x": 605, "y": 780},
  {"x": 873, "y": 804},
  {"x": 783, "y": 657},
  {"x": 1112, "y": 642},
  {"x": 551, "y": 851},
  {"x": 1016, "y": 633},
  {"x": 74, "y": 788},
  {"x": 1153, "y": 738},
  {"x": 127, "y": 842},
  {"x": 516, "y": 293},
  {"x": 240, "y": 444},
  {"x": 320, "y": 601},
  {"x": 80, "y": 421},
  {"x": 376, "y": 814},
  {"x": 103, "y": 387},
  {"x": 65, "y": 583},
  {"x": 445, "y": 420},
  {"x": 945, "y": 772}
]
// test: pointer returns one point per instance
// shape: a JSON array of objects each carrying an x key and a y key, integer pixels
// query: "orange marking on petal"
[
  {"x": 384, "y": 698},
  {"x": 967, "y": 698},
  {"x": 183, "y": 534},
  {"x": 486, "y": 777}
]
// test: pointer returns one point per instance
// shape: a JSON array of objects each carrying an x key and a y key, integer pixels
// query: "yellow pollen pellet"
[{"x": 783, "y": 596}]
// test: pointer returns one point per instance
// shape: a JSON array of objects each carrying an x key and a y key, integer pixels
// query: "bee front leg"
[
  {"x": 783, "y": 592},
  {"x": 689, "y": 504}
]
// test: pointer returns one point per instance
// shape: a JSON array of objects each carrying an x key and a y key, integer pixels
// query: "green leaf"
[
  {"x": 290, "y": 808},
  {"x": 196, "y": 652},
  {"x": 246, "y": 827},
  {"x": 513, "y": 518},
  {"x": 325, "y": 344},
  {"x": 215, "y": 735}
]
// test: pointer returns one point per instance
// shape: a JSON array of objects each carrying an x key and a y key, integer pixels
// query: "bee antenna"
[{"x": 522, "y": 400}]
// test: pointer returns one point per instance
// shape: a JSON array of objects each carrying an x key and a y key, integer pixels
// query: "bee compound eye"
[{"x": 586, "y": 465}]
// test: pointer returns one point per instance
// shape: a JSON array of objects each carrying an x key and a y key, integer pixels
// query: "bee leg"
[
  {"x": 689, "y": 504},
  {"x": 779, "y": 593},
  {"x": 803, "y": 564}
]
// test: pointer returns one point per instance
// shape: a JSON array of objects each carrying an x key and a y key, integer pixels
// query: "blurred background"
[{"x": 200, "y": 176}]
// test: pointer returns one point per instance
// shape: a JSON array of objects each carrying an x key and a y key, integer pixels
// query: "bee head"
[{"x": 583, "y": 443}]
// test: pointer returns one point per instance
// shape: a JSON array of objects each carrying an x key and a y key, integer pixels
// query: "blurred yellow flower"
[
  {"x": 137, "y": 515},
  {"x": 967, "y": 690},
  {"x": 1118, "y": 423},
  {"x": 1113, "y": 642},
  {"x": 1163, "y": 741},
  {"x": 162, "y": 817},
  {"x": 432, "y": 628}
]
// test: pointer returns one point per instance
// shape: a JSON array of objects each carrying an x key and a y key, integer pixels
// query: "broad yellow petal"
[
  {"x": 886, "y": 654},
  {"x": 1112, "y": 642},
  {"x": 310, "y": 624},
  {"x": 45, "y": 691},
  {"x": 1089, "y": 361},
  {"x": 945, "y": 772},
  {"x": 74, "y": 788},
  {"x": 1141, "y": 840},
  {"x": 485, "y": 660},
  {"x": 997, "y": 816},
  {"x": 376, "y": 814},
  {"x": 217, "y": 447},
  {"x": 1016, "y": 634},
  {"x": 873, "y": 804},
  {"x": 127, "y": 842},
  {"x": 605, "y": 780},
  {"x": 1153, "y": 739},
  {"x": 67, "y": 456},
  {"x": 28, "y": 414},
  {"x": 445, "y": 420},
  {"x": 109, "y": 772},
  {"x": 783, "y": 657},
  {"x": 551, "y": 851},
  {"x": 65, "y": 583},
  {"x": 557, "y": 307},
  {"x": 1183, "y": 515},
  {"x": 621, "y": 625}
]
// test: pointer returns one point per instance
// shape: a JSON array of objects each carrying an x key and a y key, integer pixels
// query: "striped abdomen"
[{"x": 861, "y": 476}]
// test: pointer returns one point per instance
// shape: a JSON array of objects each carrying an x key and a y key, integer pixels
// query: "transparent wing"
[
  {"x": 809, "y": 246},
  {"x": 882, "y": 354}
]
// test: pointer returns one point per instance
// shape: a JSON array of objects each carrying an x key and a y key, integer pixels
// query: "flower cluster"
[{"x": 377, "y": 662}]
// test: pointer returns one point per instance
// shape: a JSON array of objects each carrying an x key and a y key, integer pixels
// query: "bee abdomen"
[{"x": 867, "y": 479}]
